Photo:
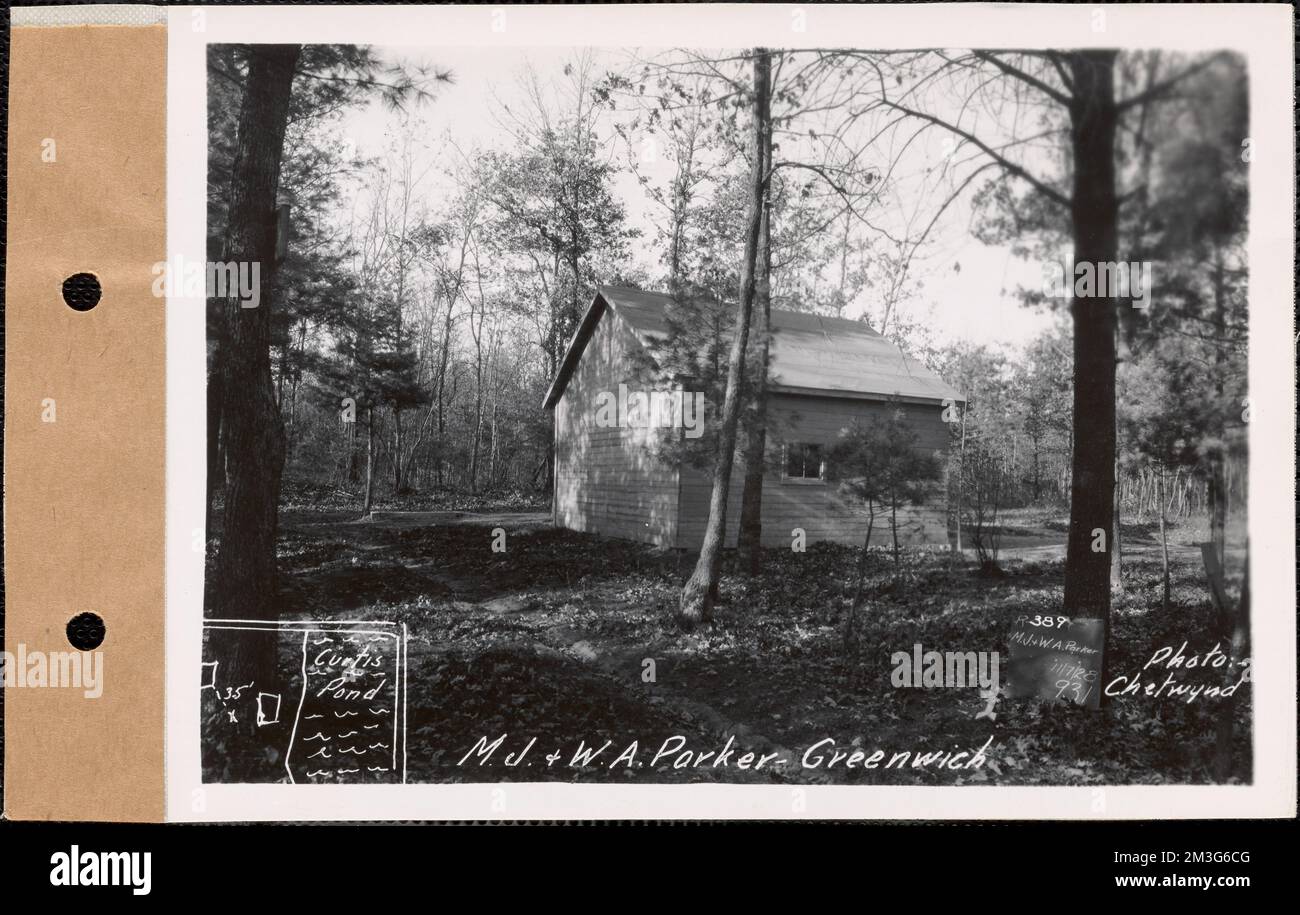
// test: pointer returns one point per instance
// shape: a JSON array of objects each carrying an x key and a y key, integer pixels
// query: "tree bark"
[
  {"x": 1226, "y": 726},
  {"x": 292, "y": 427},
  {"x": 245, "y": 570},
  {"x": 397, "y": 450},
  {"x": 354, "y": 462},
  {"x": 368, "y": 503},
  {"x": 215, "y": 403},
  {"x": 1093, "y": 215},
  {"x": 492, "y": 431},
  {"x": 1038, "y": 482},
  {"x": 1117, "y": 539},
  {"x": 1218, "y": 487},
  {"x": 893, "y": 525},
  {"x": 1164, "y": 539},
  {"x": 961, "y": 482},
  {"x": 750, "y": 538},
  {"x": 478, "y": 433},
  {"x": 442, "y": 388},
  {"x": 478, "y": 386},
  {"x": 698, "y": 593}
]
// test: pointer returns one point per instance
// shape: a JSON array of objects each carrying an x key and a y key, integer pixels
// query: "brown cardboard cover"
[{"x": 84, "y": 495}]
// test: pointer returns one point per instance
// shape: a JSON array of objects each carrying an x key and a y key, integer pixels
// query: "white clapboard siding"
[
  {"x": 609, "y": 480},
  {"x": 825, "y": 372},
  {"x": 817, "y": 507}
]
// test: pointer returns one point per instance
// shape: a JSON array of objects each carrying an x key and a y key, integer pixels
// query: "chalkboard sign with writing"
[
  {"x": 334, "y": 711},
  {"x": 348, "y": 724},
  {"x": 1056, "y": 657}
]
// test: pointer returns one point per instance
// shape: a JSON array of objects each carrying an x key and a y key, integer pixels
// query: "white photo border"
[{"x": 1261, "y": 32}]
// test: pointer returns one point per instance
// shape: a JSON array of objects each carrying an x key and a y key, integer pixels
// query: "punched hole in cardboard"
[
  {"x": 82, "y": 291},
  {"x": 86, "y": 631}
]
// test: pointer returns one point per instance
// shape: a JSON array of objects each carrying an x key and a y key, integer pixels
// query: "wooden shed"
[{"x": 611, "y": 479}]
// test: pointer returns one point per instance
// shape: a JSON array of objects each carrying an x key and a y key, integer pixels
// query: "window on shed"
[{"x": 804, "y": 462}]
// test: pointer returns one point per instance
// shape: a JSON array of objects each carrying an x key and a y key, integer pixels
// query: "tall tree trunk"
[
  {"x": 442, "y": 433},
  {"x": 478, "y": 407},
  {"x": 474, "y": 449},
  {"x": 354, "y": 460},
  {"x": 893, "y": 525},
  {"x": 280, "y": 375},
  {"x": 1164, "y": 539},
  {"x": 1226, "y": 725},
  {"x": 697, "y": 595},
  {"x": 1093, "y": 216},
  {"x": 397, "y": 450},
  {"x": 1117, "y": 539},
  {"x": 750, "y": 538},
  {"x": 245, "y": 573},
  {"x": 961, "y": 481},
  {"x": 1217, "y": 492},
  {"x": 1218, "y": 486},
  {"x": 216, "y": 402},
  {"x": 368, "y": 502},
  {"x": 1038, "y": 479},
  {"x": 292, "y": 427},
  {"x": 442, "y": 386},
  {"x": 492, "y": 432},
  {"x": 1117, "y": 534}
]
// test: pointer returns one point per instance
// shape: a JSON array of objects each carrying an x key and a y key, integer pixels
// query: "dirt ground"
[{"x": 567, "y": 640}]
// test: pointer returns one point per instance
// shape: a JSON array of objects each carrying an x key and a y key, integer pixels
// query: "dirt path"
[{"x": 404, "y": 520}]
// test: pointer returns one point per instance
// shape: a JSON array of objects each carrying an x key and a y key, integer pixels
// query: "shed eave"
[
  {"x": 862, "y": 395},
  {"x": 573, "y": 352}
]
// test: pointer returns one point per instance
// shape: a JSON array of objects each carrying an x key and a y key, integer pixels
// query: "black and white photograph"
[
  {"x": 570, "y": 415},
  {"x": 761, "y": 415}
]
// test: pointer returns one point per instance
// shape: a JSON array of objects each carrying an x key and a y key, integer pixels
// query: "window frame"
[{"x": 819, "y": 480}]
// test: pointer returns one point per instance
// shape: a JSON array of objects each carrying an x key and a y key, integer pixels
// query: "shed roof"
[{"x": 809, "y": 354}]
